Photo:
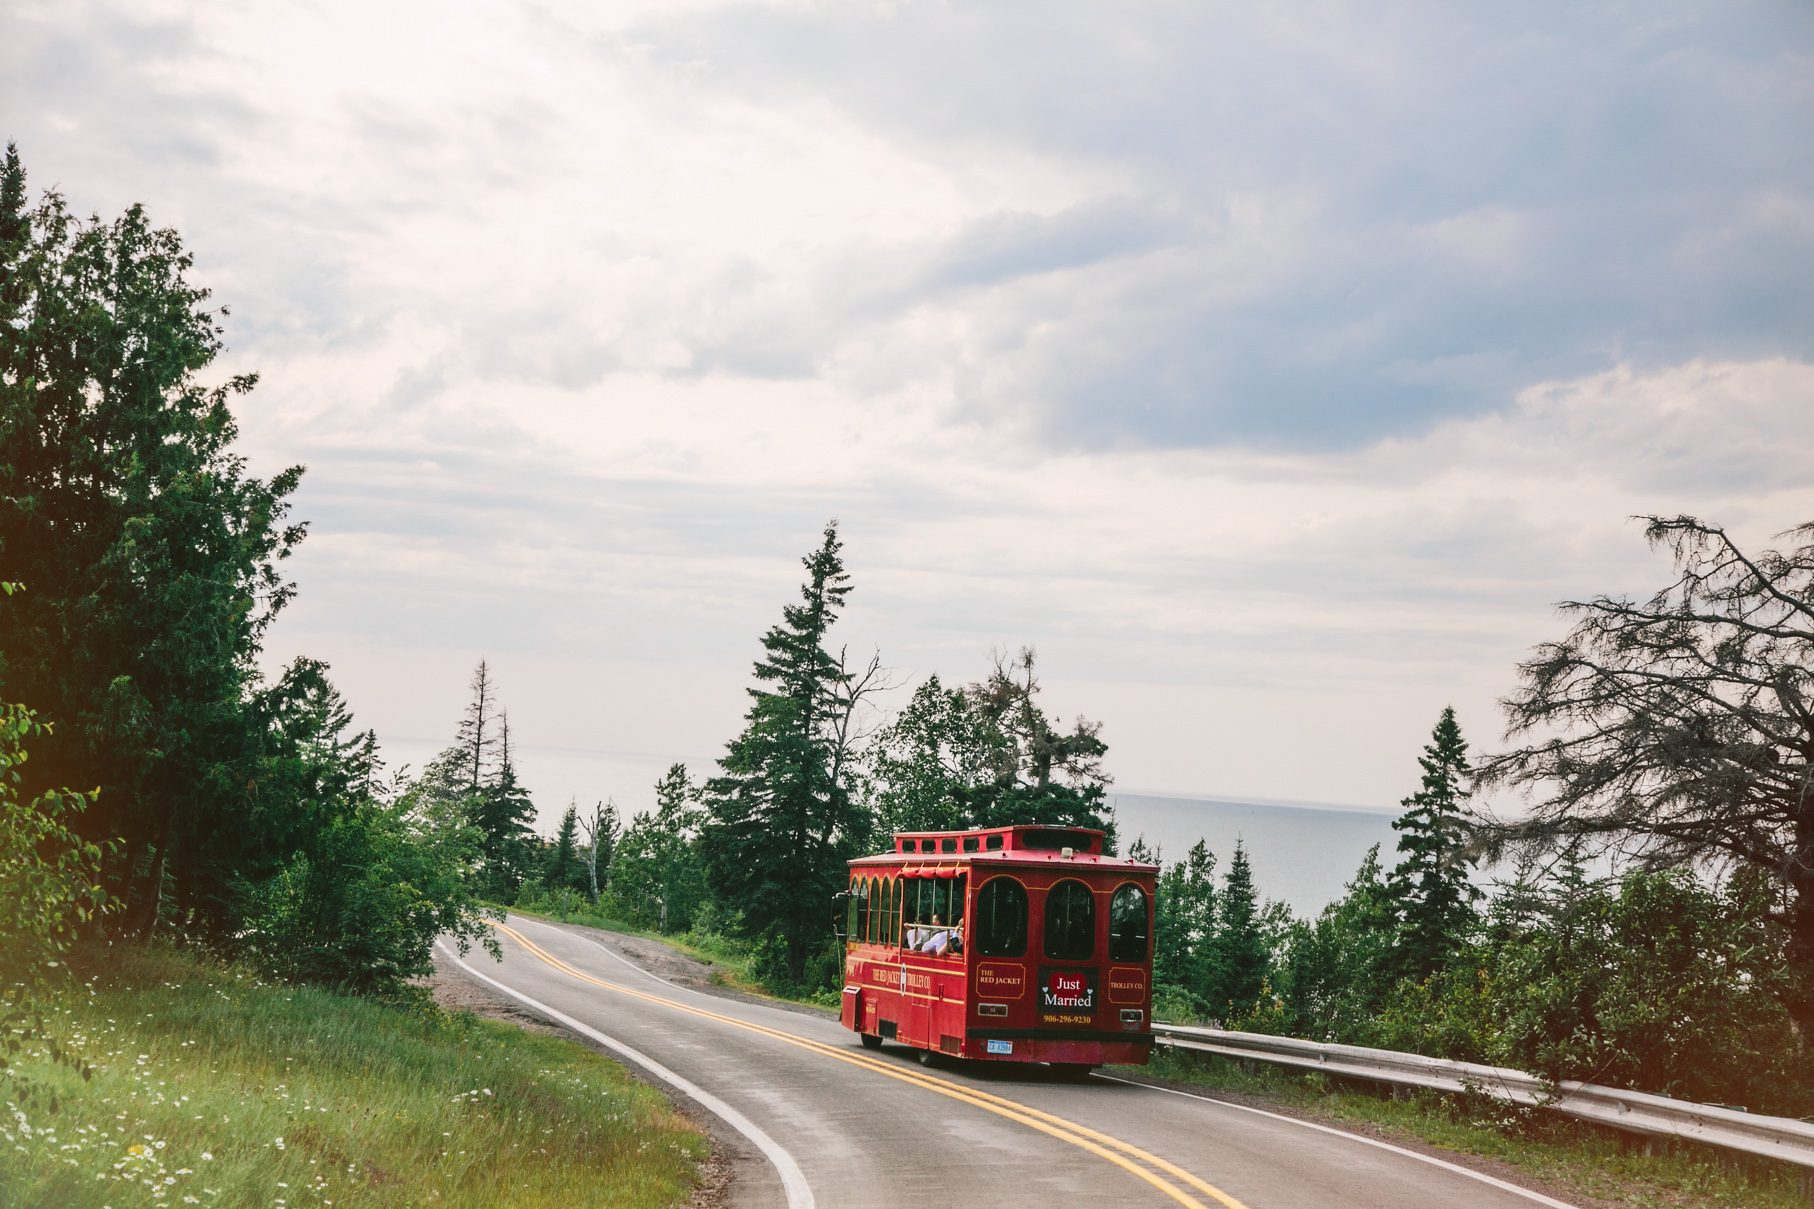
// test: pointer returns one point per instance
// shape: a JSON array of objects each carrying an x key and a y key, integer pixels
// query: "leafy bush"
[
  {"x": 1657, "y": 982},
  {"x": 361, "y": 908}
]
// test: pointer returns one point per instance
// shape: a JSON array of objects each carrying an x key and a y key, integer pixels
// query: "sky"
[{"x": 1272, "y": 371}]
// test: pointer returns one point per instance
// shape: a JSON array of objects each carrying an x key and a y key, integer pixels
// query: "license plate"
[{"x": 1001, "y": 1047}]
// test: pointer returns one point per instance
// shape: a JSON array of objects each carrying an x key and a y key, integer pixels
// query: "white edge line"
[
  {"x": 793, "y": 1180},
  {"x": 1457, "y": 1168}
]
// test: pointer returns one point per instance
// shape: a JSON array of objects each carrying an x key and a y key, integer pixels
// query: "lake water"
[{"x": 1301, "y": 854}]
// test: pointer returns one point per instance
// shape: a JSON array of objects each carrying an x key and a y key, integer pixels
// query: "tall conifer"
[
  {"x": 1431, "y": 887},
  {"x": 1238, "y": 954},
  {"x": 779, "y": 822}
]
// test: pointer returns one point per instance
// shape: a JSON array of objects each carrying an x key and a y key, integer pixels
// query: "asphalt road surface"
[{"x": 811, "y": 1119}]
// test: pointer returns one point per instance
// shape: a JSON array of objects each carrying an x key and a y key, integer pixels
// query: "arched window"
[
  {"x": 859, "y": 927},
  {"x": 1000, "y": 926},
  {"x": 1129, "y": 932},
  {"x": 1070, "y": 922}
]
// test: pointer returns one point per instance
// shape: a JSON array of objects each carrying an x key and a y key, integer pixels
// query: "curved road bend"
[{"x": 831, "y": 1125}]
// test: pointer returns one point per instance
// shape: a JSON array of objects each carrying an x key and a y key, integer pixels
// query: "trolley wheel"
[
  {"x": 928, "y": 1057},
  {"x": 870, "y": 1041},
  {"x": 1073, "y": 1072}
]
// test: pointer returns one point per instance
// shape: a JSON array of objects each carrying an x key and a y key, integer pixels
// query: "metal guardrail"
[{"x": 1780, "y": 1138}]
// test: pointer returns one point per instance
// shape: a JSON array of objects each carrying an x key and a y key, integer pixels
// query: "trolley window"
[
  {"x": 1000, "y": 926},
  {"x": 1070, "y": 922},
  {"x": 1128, "y": 931}
]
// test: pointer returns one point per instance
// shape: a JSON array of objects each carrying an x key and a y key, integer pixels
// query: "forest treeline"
[{"x": 172, "y": 789}]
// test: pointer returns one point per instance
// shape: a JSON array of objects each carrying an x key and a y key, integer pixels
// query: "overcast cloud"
[{"x": 1273, "y": 374}]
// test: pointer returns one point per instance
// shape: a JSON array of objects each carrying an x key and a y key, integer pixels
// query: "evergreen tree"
[
  {"x": 505, "y": 817},
  {"x": 1431, "y": 884},
  {"x": 1185, "y": 922},
  {"x": 779, "y": 822},
  {"x": 564, "y": 870},
  {"x": 1239, "y": 954}
]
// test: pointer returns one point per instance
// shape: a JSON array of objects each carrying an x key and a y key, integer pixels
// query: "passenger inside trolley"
[
  {"x": 939, "y": 940},
  {"x": 927, "y": 903}
]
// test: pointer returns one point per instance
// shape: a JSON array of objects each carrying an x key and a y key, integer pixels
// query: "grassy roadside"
[
  {"x": 213, "y": 1088},
  {"x": 1567, "y": 1158}
]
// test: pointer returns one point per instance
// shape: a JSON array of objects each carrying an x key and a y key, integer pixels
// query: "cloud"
[
  {"x": 1378, "y": 222},
  {"x": 1273, "y": 372}
]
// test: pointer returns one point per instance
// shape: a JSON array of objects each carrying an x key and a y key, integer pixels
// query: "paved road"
[{"x": 813, "y": 1119}]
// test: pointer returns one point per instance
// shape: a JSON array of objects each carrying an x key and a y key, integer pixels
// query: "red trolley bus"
[{"x": 1018, "y": 944}]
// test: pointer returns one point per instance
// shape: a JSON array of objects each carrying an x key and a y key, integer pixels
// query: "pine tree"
[
  {"x": 505, "y": 817},
  {"x": 780, "y": 822},
  {"x": 1431, "y": 887},
  {"x": 564, "y": 871},
  {"x": 1185, "y": 922},
  {"x": 1238, "y": 953}
]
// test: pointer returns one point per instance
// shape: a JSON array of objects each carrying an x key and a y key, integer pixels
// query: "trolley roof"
[{"x": 935, "y": 853}]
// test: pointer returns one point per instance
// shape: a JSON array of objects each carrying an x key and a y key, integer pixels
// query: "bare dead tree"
[
  {"x": 600, "y": 829},
  {"x": 1680, "y": 730},
  {"x": 852, "y": 717}
]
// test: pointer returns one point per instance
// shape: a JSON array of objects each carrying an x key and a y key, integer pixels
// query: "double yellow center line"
[{"x": 1162, "y": 1174}]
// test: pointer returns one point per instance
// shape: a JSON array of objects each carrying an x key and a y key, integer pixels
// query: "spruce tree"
[
  {"x": 779, "y": 822},
  {"x": 1431, "y": 886},
  {"x": 505, "y": 817},
  {"x": 1185, "y": 922},
  {"x": 1238, "y": 953},
  {"x": 564, "y": 871}
]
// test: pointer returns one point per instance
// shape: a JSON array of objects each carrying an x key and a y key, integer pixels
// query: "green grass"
[
  {"x": 1570, "y": 1157},
  {"x": 213, "y": 1088}
]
